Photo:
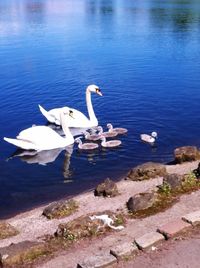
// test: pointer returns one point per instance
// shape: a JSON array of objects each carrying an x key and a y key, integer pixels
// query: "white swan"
[
  {"x": 80, "y": 121},
  {"x": 149, "y": 138},
  {"x": 119, "y": 130},
  {"x": 86, "y": 146},
  {"x": 41, "y": 138},
  {"x": 110, "y": 144}
]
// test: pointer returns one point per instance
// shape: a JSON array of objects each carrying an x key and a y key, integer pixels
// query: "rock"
[
  {"x": 78, "y": 228},
  {"x": 146, "y": 171},
  {"x": 186, "y": 153},
  {"x": 142, "y": 201},
  {"x": 173, "y": 180},
  {"x": 22, "y": 253},
  {"x": 84, "y": 226},
  {"x": 7, "y": 230},
  {"x": 108, "y": 188},
  {"x": 60, "y": 209}
]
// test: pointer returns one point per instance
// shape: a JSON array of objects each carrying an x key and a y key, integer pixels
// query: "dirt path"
[{"x": 180, "y": 253}]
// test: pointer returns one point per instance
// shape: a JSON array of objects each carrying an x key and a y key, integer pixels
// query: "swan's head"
[
  {"x": 100, "y": 129},
  {"x": 154, "y": 134},
  {"x": 78, "y": 140},
  {"x": 109, "y": 126},
  {"x": 86, "y": 134},
  {"x": 95, "y": 89}
]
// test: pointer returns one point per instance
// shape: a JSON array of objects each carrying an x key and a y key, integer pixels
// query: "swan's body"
[
  {"x": 110, "y": 144},
  {"x": 80, "y": 121},
  {"x": 41, "y": 138},
  {"x": 149, "y": 138},
  {"x": 118, "y": 130},
  {"x": 107, "y": 134},
  {"x": 86, "y": 146}
]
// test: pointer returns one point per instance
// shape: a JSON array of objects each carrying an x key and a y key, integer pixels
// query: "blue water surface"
[{"x": 143, "y": 54}]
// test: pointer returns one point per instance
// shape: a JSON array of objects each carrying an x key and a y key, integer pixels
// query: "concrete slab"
[
  {"x": 192, "y": 218},
  {"x": 149, "y": 240},
  {"x": 98, "y": 261},
  {"x": 124, "y": 249},
  {"x": 172, "y": 228}
]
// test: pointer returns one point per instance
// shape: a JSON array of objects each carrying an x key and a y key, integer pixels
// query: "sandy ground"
[{"x": 33, "y": 225}]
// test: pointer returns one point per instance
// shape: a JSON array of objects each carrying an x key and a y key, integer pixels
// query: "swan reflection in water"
[{"x": 45, "y": 157}]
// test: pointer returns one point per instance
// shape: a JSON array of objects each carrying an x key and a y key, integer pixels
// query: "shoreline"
[
  {"x": 46, "y": 203},
  {"x": 32, "y": 225}
]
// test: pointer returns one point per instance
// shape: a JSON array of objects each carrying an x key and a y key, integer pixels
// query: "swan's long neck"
[
  {"x": 100, "y": 129},
  {"x": 65, "y": 128},
  {"x": 91, "y": 113},
  {"x": 103, "y": 141}
]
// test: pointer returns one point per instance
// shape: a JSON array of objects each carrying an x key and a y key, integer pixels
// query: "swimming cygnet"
[
  {"x": 149, "y": 138},
  {"x": 86, "y": 146},
  {"x": 110, "y": 144},
  {"x": 119, "y": 130}
]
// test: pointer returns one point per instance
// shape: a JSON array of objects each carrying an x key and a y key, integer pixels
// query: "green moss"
[{"x": 119, "y": 220}]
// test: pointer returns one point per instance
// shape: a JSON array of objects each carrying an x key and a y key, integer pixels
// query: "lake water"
[{"x": 143, "y": 54}]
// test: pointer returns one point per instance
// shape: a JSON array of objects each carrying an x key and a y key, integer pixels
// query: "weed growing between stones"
[{"x": 165, "y": 188}]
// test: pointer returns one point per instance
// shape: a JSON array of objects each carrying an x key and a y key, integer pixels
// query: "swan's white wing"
[
  {"x": 78, "y": 120},
  {"x": 27, "y": 145},
  {"x": 36, "y": 133},
  {"x": 42, "y": 136}
]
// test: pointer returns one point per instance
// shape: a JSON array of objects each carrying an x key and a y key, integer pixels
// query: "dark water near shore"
[{"x": 143, "y": 54}]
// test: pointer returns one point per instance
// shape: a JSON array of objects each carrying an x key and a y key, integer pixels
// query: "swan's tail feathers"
[
  {"x": 43, "y": 111},
  {"x": 21, "y": 143},
  {"x": 50, "y": 117},
  {"x": 46, "y": 114}
]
